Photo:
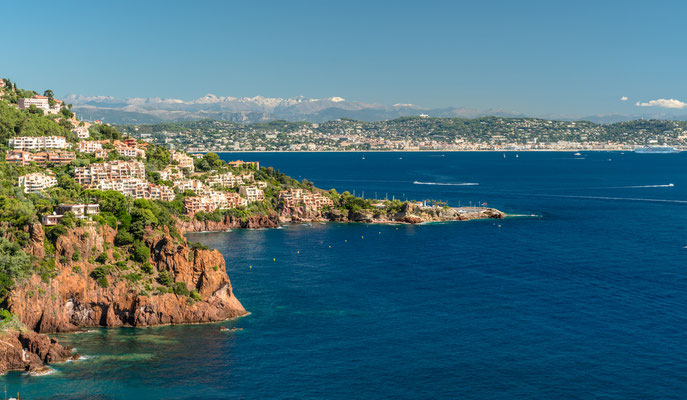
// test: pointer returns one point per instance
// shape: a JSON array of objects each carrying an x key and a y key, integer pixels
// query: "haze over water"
[{"x": 587, "y": 299}]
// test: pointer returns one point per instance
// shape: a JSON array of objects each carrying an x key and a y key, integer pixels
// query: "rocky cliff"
[
  {"x": 229, "y": 222},
  {"x": 69, "y": 297}
]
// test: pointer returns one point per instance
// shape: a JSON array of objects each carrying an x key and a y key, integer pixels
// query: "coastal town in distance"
[{"x": 419, "y": 133}]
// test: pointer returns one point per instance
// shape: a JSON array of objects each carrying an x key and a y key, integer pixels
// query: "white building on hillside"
[
  {"x": 37, "y": 182},
  {"x": 40, "y": 102},
  {"x": 252, "y": 193},
  {"x": 34, "y": 143}
]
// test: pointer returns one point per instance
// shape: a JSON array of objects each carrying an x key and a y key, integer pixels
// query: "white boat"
[{"x": 577, "y": 154}]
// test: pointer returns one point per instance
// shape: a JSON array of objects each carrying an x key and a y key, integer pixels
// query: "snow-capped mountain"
[{"x": 251, "y": 109}]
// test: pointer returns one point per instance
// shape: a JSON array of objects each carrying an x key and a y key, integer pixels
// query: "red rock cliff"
[{"x": 67, "y": 297}]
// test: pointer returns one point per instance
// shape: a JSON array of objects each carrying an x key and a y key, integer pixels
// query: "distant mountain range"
[{"x": 261, "y": 109}]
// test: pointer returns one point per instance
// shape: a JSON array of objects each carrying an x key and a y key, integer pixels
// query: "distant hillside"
[{"x": 412, "y": 133}]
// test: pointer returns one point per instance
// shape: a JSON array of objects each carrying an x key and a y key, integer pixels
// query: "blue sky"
[{"x": 535, "y": 57}]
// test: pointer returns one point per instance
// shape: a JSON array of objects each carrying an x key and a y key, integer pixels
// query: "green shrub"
[
  {"x": 164, "y": 279},
  {"x": 133, "y": 277},
  {"x": 100, "y": 273},
  {"x": 123, "y": 238},
  {"x": 200, "y": 246},
  {"x": 195, "y": 295},
  {"x": 102, "y": 258},
  {"x": 180, "y": 288},
  {"x": 147, "y": 268},
  {"x": 103, "y": 282},
  {"x": 140, "y": 252}
]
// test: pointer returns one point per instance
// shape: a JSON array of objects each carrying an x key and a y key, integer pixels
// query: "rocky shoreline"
[{"x": 409, "y": 214}]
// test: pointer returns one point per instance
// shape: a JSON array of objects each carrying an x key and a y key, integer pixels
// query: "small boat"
[
  {"x": 504, "y": 155},
  {"x": 225, "y": 329},
  {"x": 577, "y": 154}
]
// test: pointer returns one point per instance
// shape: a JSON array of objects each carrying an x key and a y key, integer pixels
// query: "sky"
[{"x": 534, "y": 57}]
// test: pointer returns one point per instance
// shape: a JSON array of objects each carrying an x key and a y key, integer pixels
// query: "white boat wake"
[
  {"x": 641, "y": 186},
  {"x": 446, "y": 184}
]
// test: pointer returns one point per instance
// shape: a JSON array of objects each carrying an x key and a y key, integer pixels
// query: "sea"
[{"x": 581, "y": 293}]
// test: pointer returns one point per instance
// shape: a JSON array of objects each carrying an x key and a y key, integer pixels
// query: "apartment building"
[
  {"x": 195, "y": 185},
  {"x": 40, "y": 102},
  {"x": 81, "y": 132},
  {"x": 37, "y": 182},
  {"x": 89, "y": 146},
  {"x": 19, "y": 157},
  {"x": 213, "y": 201},
  {"x": 137, "y": 188},
  {"x": 171, "y": 173},
  {"x": 229, "y": 179},
  {"x": 133, "y": 152},
  {"x": 184, "y": 160},
  {"x": 252, "y": 193},
  {"x": 298, "y": 197},
  {"x": 109, "y": 171},
  {"x": 35, "y": 143}
]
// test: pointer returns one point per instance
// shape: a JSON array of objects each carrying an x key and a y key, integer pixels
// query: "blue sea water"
[{"x": 583, "y": 298}]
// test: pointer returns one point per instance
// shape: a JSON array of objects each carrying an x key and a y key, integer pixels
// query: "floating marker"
[
  {"x": 362, "y": 237},
  {"x": 298, "y": 252},
  {"x": 380, "y": 233},
  {"x": 250, "y": 266},
  {"x": 330, "y": 246},
  {"x": 346, "y": 241},
  {"x": 274, "y": 259}
]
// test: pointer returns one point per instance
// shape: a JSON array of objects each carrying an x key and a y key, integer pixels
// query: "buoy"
[
  {"x": 346, "y": 241},
  {"x": 380, "y": 233},
  {"x": 251, "y": 267},
  {"x": 362, "y": 237},
  {"x": 330, "y": 246},
  {"x": 298, "y": 252},
  {"x": 274, "y": 259}
]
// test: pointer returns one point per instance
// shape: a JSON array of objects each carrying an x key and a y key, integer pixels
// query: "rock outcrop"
[
  {"x": 29, "y": 351},
  {"x": 229, "y": 222},
  {"x": 68, "y": 297}
]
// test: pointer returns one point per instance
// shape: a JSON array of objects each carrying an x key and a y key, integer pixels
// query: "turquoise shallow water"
[{"x": 585, "y": 300}]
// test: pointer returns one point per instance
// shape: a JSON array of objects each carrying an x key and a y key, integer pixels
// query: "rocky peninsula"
[{"x": 409, "y": 213}]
